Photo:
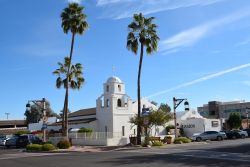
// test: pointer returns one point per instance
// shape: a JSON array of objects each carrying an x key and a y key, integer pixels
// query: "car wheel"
[
  {"x": 219, "y": 138},
  {"x": 198, "y": 139},
  {"x": 243, "y": 136},
  {"x": 234, "y": 137}
]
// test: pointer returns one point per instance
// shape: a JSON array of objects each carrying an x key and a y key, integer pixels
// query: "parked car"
[
  {"x": 24, "y": 140},
  {"x": 243, "y": 134},
  {"x": 247, "y": 130},
  {"x": 232, "y": 135},
  {"x": 11, "y": 142},
  {"x": 3, "y": 140},
  {"x": 209, "y": 135}
]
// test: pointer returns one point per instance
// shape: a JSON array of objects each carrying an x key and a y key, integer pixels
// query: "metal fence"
[
  {"x": 90, "y": 135},
  {"x": 95, "y": 135}
]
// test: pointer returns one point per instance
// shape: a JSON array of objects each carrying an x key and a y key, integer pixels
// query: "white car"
[
  {"x": 209, "y": 135},
  {"x": 3, "y": 141}
]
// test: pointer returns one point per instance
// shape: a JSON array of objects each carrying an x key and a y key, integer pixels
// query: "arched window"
[
  {"x": 119, "y": 103},
  {"x": 107, "y": 88},
  {"x": 119, "y": 88},
  {"x": 107, "y": 103}
]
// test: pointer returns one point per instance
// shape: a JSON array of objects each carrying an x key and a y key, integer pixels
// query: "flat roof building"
[{"x": 222, "y": 110}]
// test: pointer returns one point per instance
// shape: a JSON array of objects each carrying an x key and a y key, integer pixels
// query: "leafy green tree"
[
  {"x": 73, "y": 21},
  {"x": 234, "y": 121},
  {"x": 36, "y": 112},
  {"x": 165, "y": 107},
  {"x": 154, "y": 103},
  {"x": 159, "y": 118},
  {"x": 68, "y": 77},
  {"x": 141, "y": 32}
]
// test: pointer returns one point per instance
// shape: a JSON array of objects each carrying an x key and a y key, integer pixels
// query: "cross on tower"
[{"x": 113, "y": 70}]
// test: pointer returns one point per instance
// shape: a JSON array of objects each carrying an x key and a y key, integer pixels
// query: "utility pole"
[
  {"x": 7, "y": 115},
  {"x": 177, "y": 102}
]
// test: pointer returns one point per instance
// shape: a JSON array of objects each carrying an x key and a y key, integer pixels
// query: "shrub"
[
  {"x": 34, "y": 147},
  {"x": 157, "y": 143},
  {"x": 48, "y": 147},
  {"x": 21, "y": 132},
  {"x": 182, "y": 139},
  {"x": 169, "y": 127},
  {"x": 63, "y": 144},
  {"x": 166, "y": 139},
  {"x": 85, "y": 130}
]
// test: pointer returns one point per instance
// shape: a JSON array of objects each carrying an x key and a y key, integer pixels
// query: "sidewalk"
[{"x": 121, "y": 148}]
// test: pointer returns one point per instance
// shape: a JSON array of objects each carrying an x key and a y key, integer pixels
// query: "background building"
[
  {"x": 222, "y": 110},
  {"x": 217, "y": 109}
]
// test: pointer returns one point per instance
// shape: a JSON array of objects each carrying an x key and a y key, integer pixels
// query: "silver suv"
[{"x": 209, "y": 135}]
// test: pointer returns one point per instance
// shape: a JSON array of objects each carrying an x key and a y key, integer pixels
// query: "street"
[{"x": 218, "y": 154}]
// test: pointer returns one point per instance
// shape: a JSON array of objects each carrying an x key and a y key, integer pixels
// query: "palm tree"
[
  {"x": 74, "y": 21},
  {"x": 141, "y": 32},
  {"x": 69, "y": 76}
]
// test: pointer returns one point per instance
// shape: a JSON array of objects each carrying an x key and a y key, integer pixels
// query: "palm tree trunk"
[
  {"x": 139, "y": 97},
  {"x": 66, "y": 100}
]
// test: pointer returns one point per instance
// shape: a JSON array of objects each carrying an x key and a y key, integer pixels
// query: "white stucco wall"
[{"x": 199, "y": 125}]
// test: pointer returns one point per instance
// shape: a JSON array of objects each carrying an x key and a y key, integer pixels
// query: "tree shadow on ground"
[
  {"x": 244, "y": 148},
  {"x": 178, "y": 159}
]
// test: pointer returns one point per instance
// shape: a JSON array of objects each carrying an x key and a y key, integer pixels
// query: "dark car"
[
  {"x": 233, "y": 135},
  {"x": 11, "y": 142},
  {"x": 24, "y": 140},
  {"x": 248, "y": 131}
]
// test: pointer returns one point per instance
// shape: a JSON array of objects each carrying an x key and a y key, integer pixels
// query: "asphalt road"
[{"x": 214, "y": 154}]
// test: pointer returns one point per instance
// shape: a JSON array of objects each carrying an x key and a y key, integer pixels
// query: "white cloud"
[
  {"x": 106, "y": 2},
  {"x": 244, "y": 42},
  {"x": 202, "y": 79},
  {"x": 118, "y": 9},
  {"x": 75, "y": 1},
  {"x": 191, "y": 36},
  {"x": 247, "y": 83}
]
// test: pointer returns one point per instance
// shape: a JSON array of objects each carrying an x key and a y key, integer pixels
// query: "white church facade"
[{"x": 110, "y": 117}]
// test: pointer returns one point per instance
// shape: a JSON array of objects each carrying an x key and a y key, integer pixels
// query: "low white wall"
[
  {"x": 94, "y": 139},
  {"x": 89, "y": 142}
]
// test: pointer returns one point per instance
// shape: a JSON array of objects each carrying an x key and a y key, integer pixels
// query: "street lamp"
[
  {"x": 28, "y": 108},
  {"x": 177, "y": 102},
  {"x": 247, "y": 108},
  {"x": 145, "y": 116}
]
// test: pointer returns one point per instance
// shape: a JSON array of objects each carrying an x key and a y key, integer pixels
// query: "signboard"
[{"x": 188, "y": 126}]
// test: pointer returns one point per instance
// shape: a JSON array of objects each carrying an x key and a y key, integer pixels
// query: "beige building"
[{"x": 222, "y": 110}]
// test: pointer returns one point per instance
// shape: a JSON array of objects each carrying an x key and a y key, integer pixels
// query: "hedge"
[
  {"x": 48, "y": 147},
  {"x": 182, "y": 139},
  {"x": 40, "y": 147},
  {"x": 63, "y": 144},
  {"x": 34, "y": 147},
  {"x": 157, "y": 143},
  {"x": 85, "y": 130}
]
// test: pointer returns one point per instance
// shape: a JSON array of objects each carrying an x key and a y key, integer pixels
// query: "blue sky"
[{"x": 203, "y": 52}]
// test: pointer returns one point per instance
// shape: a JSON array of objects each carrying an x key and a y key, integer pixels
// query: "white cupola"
[{"x": 114, "y": 85}]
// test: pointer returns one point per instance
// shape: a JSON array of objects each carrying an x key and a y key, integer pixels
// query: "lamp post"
[
  {"x": 43, "y": 101},
  {"x": 7, "y": 115},
  {"x": 177, "y": 102},
  {"x": 247, "y": 108},
  {"x": 145, "y": 114}
]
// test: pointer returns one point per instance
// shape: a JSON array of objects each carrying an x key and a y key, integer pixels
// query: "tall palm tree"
[
  {"x": 69, "y": 76},
  {"x": 142, "y": 33},
  {"x": 74, "y": 21}
]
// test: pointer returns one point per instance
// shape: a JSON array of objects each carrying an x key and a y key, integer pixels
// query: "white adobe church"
[{"x": 111, "y": 114}]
